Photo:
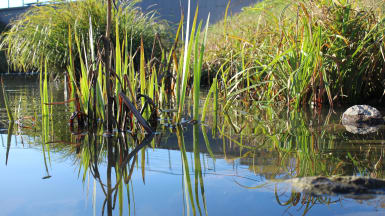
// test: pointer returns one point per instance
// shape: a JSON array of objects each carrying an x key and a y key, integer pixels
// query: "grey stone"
[
  {"x": 362, "y": 114},
  {"x": 362, "y": 119}
]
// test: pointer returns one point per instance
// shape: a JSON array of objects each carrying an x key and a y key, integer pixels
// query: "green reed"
[
  {"x": 46, "y": 117},
  {"x": 208, "y": 99},
  {"x": 191, "y": 46},
  {"x": 43, "y": 84},
  {"x": 92, "y": 89},
  {"x": 197, "y": 67},
  {"x": 104, "y": 73},
  {"x": 91, "y": 95}
]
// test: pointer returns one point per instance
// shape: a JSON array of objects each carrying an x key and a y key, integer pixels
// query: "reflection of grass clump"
[
  {"x": 42, "y": 32},
  {"x": 303, "y": 51}
]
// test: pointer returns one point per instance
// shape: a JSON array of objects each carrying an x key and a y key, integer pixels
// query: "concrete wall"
[
  {"x": 167, "y": 9},
  {"x": 10, "y": 13},
  {"x": 171, "y": 9}
]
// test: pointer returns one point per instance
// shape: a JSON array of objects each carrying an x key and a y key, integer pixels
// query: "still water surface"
[{"x": 181, "y": 171}]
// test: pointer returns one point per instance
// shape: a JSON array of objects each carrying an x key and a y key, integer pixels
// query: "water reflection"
[
  {"x": 9, "y": 139},
  {"x": 302, "y": 202},
  {"x": 238, "y": 166}
]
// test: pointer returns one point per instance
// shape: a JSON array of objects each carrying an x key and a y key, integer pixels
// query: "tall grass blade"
[
  {"x": 198, "y": 67},
  {"x": 186, "y": 61},
  {"x": 208, "y": 100}
]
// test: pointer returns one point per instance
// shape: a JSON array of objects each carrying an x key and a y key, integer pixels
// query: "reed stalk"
[
  {"x": 198, "y": 62},
  {"x": 107, "y": 62}
]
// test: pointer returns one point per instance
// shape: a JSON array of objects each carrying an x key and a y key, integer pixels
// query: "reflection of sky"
[{"x": 26, "y": 193}]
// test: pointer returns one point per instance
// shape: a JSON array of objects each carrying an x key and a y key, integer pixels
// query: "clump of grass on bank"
[
  {"x": 301, "y": 52},
  {"x": 42, "y": 32}
]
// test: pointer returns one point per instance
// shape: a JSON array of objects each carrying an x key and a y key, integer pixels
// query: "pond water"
[{"x": 238, "y": 169}]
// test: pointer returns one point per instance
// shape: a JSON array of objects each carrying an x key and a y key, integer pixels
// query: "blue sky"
[{"x": 16, "y": 3}]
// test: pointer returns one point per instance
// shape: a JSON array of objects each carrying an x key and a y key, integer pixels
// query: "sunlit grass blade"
[
  {"x": 189, "y": 41},
  {"x": 208, "y": 99}
]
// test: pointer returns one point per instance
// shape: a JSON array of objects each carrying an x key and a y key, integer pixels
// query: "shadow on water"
[{"x": 249, "y": 152}]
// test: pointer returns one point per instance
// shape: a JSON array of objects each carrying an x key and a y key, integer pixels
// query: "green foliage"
[
  {"x": 42, "y": 32},
  {"x": 301, "y": 52},
  {"x": 150, "y": 80}
]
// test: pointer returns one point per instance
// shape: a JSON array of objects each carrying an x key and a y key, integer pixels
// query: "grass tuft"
[
  {"x": 42, "y": 32},
  {"x": 301, "y": 52}
]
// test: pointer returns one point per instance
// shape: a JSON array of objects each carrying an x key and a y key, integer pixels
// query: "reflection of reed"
[
  {"x": 302, "y": 201},
  {"x": 121, "y": 157},
  {"x": 9, "y": 140},
  {"x": 272, "y": 146},
  {"x": 297, "y": 144},
  {"x": 6, "y": 102},
  {"x": 191, "y": 198}
]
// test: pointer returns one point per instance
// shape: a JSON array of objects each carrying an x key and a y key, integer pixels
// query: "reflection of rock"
[
  {"x": 362, "y": 119},
  {"x": 362, "y": 128},
  {"x": 358, "y": 187}
]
